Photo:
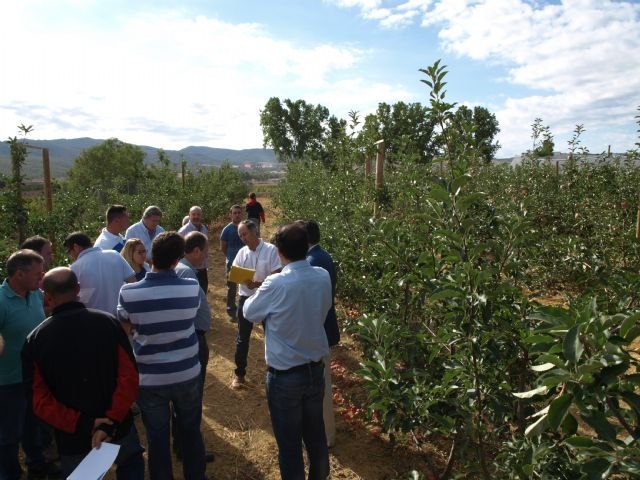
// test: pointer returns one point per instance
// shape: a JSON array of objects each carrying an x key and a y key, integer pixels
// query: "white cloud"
[
  {"x": 165, "y": 79},
  {"x": 578, "y": 56}
]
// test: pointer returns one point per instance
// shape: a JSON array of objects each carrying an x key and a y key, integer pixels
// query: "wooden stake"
[
  {"x": 47, "y": 180},
  {"x": 379, "y": 173},
  {"x": 367, "y": 166}
]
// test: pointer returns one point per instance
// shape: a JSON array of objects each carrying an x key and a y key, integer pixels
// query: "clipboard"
[{"x": 241, "y": 274}]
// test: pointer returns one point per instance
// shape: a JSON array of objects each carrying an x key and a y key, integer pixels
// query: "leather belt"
[{"x": 297, "y": 368}]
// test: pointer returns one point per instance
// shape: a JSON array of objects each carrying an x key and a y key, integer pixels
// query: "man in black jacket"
[{"x": 82, "y": 377}]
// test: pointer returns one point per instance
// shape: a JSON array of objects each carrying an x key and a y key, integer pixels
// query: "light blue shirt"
[
  {"x": 190, "y": 227},
  {"x": 202, "y": 322},
  {"x": 138, "y": 230},
  {"x": 100, "y": 274},
  {"x": 294, "y": 304}
]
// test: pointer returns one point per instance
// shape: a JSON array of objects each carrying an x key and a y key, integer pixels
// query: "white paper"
[{"x": 96, "y": 464}]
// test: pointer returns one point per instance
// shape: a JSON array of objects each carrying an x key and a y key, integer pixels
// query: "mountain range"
[{"x": 63, "y": 152}]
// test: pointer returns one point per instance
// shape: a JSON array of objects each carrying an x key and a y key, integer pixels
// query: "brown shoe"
[{"x": 238, "y": 382}]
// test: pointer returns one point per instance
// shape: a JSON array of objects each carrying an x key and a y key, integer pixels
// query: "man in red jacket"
[{"x": 80, "y": 371}]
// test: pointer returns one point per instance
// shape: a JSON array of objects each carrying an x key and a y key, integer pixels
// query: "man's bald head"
[{"x": 60, "y": 283}]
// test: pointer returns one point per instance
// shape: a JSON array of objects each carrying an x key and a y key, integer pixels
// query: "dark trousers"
[
  {"x": 232, "y": 290},
  {"x": 18, "y": 426},
  {"x": 295, "y": 405},
  {"x": 203, "y": 279},
  {"x": 203, "y": 356},
  {"x": 242, "y": 340}
]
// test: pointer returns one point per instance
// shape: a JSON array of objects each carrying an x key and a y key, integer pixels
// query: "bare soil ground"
[{"x": 236, "y": 424}]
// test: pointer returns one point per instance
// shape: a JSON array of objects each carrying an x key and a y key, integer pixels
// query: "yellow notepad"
[{"x": 240, "y": 274}]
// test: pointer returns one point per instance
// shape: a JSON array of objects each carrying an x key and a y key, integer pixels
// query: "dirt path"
[{"x": 236, "y": 424}]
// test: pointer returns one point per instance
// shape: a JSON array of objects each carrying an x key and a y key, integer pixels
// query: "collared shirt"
[
  {"x": 161, "y": 308},
  {"x": 190, "y": 227},
  {"x": 138, "y": 230},
  {"x": 184, "y": 269},
  {"x": 109, "y": 241},
  {"x": 101, "y": 273},
  {"x": 294, "y": 304},
  {"x": 264, "y": 260},
  {"x": 234, "y": 244},
  {"x": 18, "y": 316}
]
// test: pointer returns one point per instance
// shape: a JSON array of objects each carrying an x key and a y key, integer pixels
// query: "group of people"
[{"x": 124, "y": 329}]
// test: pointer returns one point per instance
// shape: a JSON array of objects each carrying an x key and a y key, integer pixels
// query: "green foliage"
[
  {"x": 542, "y": 139},
  {"x": 442, "y": 276},
  {"x": 407, "y": 130},
  {"x": 587, "y": 375},
  {"x": 111, "y": 165},
  {"x": 295, "y": 130},
  {"x": 80, "y": 202}
]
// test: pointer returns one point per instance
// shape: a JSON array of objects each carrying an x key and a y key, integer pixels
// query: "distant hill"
[{"x": 63, "y": 152}]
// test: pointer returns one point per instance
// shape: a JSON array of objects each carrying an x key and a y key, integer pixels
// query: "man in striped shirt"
[{"x": 160, "y": 310}]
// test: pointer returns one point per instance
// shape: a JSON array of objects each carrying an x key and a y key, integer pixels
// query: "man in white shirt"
[
  {"x": 117, "y": 222},
  {"x": 101, "y": 273},
  {"x": 147, "y": 228},
  {"x": 263, "y": 258}
]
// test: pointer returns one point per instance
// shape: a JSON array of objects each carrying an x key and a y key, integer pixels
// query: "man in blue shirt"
[
  {"x": 230, "y": 244},
  {"x": 196, "y": 247},
  {"x": 21, "y": 310},
  {"x": 319, "y": 257},
  {"x": 293, "y": 305}
]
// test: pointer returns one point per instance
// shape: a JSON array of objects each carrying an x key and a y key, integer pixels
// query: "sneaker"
[{"x": 238, "y": 382}]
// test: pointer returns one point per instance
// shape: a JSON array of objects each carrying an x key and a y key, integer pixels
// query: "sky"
[{"x": 197, "y": 72}]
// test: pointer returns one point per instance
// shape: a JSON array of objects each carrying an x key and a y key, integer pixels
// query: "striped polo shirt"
[{"x": 162, "y": 308}]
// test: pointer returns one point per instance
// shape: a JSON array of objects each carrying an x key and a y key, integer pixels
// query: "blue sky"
[{"x": 197, "y": 72}]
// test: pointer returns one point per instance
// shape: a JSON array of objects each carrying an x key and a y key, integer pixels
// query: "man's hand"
[
  {"x": 100, "y": 436},
  {"x": 253, "y": 285}
]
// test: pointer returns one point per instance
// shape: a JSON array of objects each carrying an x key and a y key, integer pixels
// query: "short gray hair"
[{"x": 152, "y": 211}]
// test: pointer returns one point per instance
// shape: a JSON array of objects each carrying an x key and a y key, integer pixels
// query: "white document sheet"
[{"x": 96, "y": 464}]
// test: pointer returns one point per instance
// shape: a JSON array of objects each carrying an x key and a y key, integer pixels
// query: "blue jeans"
[
  {"x": 129, "y": 460},
  {"x": 18, "y": 426},
  {"x": 295, "y": 405},
  {"x": 155, "y": 405},
  {"x": 242, "y": 340}
]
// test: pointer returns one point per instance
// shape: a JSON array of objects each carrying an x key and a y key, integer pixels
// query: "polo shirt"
[
  {"x": 293, "y": 304},
  {"x": 234, "y": 244},
  {"x": 264, "y": 260},
  {"x": 138, "y": 230},
  {"x": 161, "y": 308},
  {"x": 18, "y": 316},
  {"x": 202, "y": 322},
  {"x": 109, "y": 241},
  {"x": 101, "y": 273}
]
